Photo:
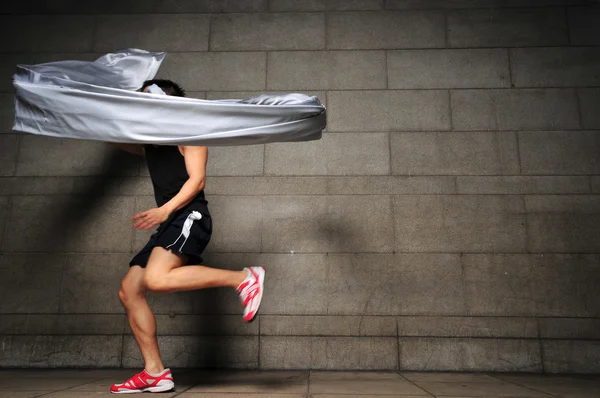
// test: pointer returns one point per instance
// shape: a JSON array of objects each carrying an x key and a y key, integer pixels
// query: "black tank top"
[{"x": 168, "y": 174}]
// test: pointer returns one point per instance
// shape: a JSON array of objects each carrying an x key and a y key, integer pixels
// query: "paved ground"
[{"x": 289, "y": 384}]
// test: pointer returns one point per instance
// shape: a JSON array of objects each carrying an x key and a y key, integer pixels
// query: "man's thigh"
[{"x": 162, "y": 261}]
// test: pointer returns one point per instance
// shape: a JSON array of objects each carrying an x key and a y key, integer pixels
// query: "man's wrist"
[{"x": 168, "y": 209}]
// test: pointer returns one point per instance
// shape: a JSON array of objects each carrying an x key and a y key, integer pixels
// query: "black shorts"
[{"x": 186, "y": 232}]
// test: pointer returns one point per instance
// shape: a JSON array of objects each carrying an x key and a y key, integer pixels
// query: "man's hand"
[{"x": 150, "y": 218}]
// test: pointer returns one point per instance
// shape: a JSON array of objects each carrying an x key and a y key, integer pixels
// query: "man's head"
[{"x": 168, "y": 86}]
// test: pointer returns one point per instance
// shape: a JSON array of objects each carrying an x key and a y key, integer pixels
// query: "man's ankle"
[{"x": 154, "y": 370}]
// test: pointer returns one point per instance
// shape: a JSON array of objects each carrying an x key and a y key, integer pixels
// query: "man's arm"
[
  {"x": 196, "y": 158},
  {"x": 195, "y": 164},
  {"x": 136, "y": 149}
]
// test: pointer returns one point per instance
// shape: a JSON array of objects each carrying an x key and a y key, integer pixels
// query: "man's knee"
[{"x": 131, "y": 290}]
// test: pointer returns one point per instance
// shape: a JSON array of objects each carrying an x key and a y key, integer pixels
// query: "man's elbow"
[{"x": 199, "y": 185}]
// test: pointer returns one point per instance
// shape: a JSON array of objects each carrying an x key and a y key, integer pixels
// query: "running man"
[{"x": 178, "y": 176}]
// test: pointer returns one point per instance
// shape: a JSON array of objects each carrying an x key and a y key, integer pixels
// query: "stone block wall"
[{"x": 449, "y": 219}]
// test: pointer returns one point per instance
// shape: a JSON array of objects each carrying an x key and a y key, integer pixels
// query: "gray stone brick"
[
  {"x": 357, "y": 382},
  {"x": 152, "y": 32},
  {"x": 563, "y": 224},
  {"x": 568, "y": 356},
  {"x": 89, "y": 186},
  {"x": 50, "y": 156},
  {"x": 32, "y": 281},
  {"x": 7, "y": 112},
  {"x": 454, "y": 153},
  {"x": 308, "y": 224},
  {"x": 265, "y": 185},
  {"x": 334, "y": 154},
  {"x": 285, "y": 273},
  {"x": 216, "y": 71},
  {"x": 84, "y": 292},
  {"x": 596, "y": 184},
  {"x": 42, "y": 7},
  {"x": 4, "y": 208},
  {"x": 559, "y": 152},
  {"x": 291, "y": 352},
  {"x": 135, "y": 6},
  {"x": 569, "y": 328},
  {"x": 447, "y": 377},
  {"x": 326, "y": 70},
  {"x": 409, "y": 69},
  {"x": 584, "y": 25},
  {"x": 65, "y": 324},
  {"x": 511, "y": 185},
  {"x": 589, "y": 98},
  {"x": 489, "y": 327},
  {"x": 482, "y": 387},
  {"x": 563, "y": 385},
  {"x": 449, "y": 4},
  {"x": 389, "y": 110},
  {"x": 297, "y": 158},
  {"x": 169, "y": 304},
  {"x": 294, "y": 224},
  {"x": 9, "y": 144},
  {"x": 359, "y": 224},
  {"x": 330, "y": 325},
  {"x": 325, "y": 5},
  {"x": 27, "y": 233},
  {"x": 555, "y": 67},
  {"x": 135, "y": 186},
  {"x": 328, "y": 353},
  {"x": 196, "y": 94},
  {"x": 507, "y": 27},
  {"x": 204, "y": 325},
  {"x": 237, "y": 223},
  {"x": 236, "y": 160},
  {"x": 290, "y": 31},
  {"x": 385, "y": 30},
  {"x": 532, "y": 285},
  {"x": 60, "y": 351},
  {"x": 253, "y": 383},
  {"x": 524, "y": 109},
  {"x": 101, "y": 227},
  {"x": 322, "y": 375},
  {"x": 46, "y": 33},
  {"x": 456, "y": 354},
  {"x": 196, "y": 6},
  {"x": 389, "y": 185},
  {"x": 459, "y": 223},
  {"x": 239, "y": 352},
  {"x": 401, "y": 280}
]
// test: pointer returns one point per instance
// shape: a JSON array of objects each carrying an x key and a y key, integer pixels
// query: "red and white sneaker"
[
  {"x": 145, "y": 382},
  {"x": 251, "y": 291}
]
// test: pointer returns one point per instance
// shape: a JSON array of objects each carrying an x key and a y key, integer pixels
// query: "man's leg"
[
  {"x": 141, "y": 318},
  {"x": 164, "y": 274}
]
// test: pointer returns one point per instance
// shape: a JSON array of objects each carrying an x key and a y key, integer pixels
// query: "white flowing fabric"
[{"x": 97, "y": 101}]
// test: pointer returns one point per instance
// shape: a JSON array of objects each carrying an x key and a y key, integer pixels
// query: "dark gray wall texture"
[{"x": 448, "y": 219}]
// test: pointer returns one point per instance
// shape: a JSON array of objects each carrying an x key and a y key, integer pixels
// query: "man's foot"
[
  {"x": 145, "y": 382},
  {"x": 251, "y": 291}
]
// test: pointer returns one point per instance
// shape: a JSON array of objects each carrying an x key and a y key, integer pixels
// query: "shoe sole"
[
  {"x": 165, "y": 388},
  {"x": 261, "y": 281}
]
